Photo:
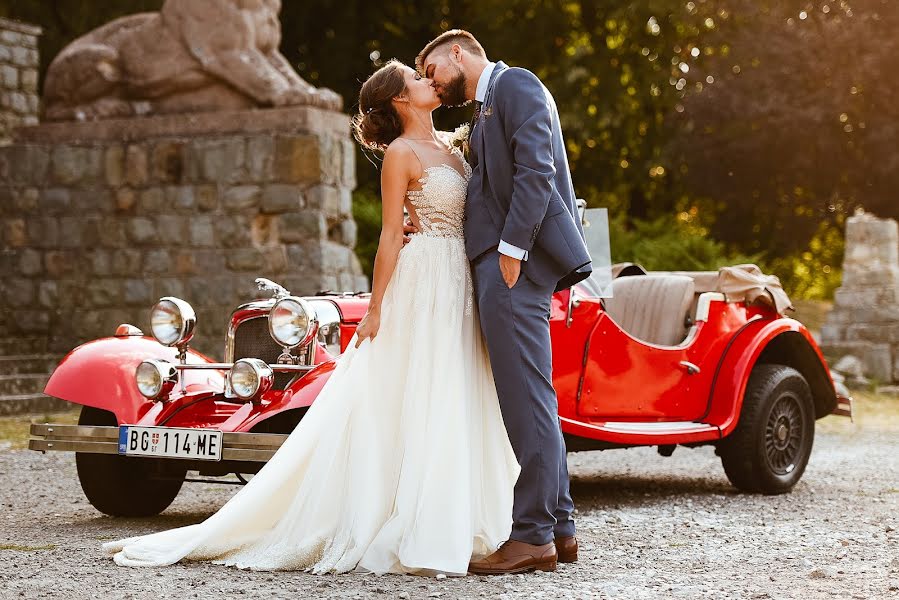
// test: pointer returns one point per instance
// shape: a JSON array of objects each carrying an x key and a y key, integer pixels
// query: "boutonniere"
[
  {"x": 487, "y": 112},
  {"x": 459, "y": 139}
]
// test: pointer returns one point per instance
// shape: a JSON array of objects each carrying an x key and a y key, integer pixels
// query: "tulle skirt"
[{"x": 401, "y": 465}]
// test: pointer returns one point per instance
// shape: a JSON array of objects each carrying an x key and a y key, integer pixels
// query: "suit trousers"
[{"x": 515, "y": 324}]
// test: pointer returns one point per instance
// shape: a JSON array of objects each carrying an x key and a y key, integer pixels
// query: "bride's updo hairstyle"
[{"x": 377, "y": 122}]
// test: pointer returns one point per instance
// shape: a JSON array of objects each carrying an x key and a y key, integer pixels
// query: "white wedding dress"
[{"x": 403, "y": 463}]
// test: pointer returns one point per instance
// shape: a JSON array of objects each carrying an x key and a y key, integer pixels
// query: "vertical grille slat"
[{"x": 252, "y": 340}]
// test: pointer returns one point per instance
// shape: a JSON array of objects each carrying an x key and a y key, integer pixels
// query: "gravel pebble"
[
  {"x": 649, "y": 527},
  {"x": 822, "y": 573}
]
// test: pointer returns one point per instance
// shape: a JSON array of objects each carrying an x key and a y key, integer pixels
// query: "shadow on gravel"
[
  {"x": 149, "y": 524},
  {"x": 633, "y": 490}
]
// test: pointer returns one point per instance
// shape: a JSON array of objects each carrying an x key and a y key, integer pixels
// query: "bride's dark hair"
[{"x": 378, "y": 123}]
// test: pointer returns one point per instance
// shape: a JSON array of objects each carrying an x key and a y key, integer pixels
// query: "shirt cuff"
[{"x": 513, "y": 251}]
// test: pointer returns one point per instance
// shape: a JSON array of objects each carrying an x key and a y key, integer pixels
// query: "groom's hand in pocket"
[
  {"x": 408, "y": 229},
  {"x": 510, "y": 268}
]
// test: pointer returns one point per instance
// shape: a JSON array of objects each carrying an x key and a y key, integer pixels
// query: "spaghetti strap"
[{"x": 414, "y": 151}]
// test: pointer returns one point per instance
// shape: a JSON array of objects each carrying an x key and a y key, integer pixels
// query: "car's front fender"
[
  {"x": 779, "y": 341},
  {"x": 100, "y": 373},
  {"x": 298, "y": 397}
]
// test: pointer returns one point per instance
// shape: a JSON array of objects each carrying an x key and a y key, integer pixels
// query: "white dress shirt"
[{"x": 479, "y": 94}]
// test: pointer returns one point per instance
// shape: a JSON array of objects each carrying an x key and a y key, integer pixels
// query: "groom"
[{"x": 524, "y": 243}]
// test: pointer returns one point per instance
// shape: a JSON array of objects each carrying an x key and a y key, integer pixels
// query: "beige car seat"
[{"x": 652, "y": 308}]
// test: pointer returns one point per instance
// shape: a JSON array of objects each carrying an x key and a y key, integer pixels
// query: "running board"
[{"x": 643, "y": 433}]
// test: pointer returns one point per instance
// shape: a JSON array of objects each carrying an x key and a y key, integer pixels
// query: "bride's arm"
[{"x": 396, "y": 173}]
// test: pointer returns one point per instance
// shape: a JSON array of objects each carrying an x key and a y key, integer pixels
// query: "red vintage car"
[{"x": 670, "y": 359}]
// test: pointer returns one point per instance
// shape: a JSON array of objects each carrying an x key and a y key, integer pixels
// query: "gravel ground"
[{"x": 649, "y": 527}]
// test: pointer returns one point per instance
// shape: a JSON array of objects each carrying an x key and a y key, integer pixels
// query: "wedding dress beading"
[{"x": 403, "y": 463}]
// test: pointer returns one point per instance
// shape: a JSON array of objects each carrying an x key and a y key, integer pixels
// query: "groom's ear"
[{"x": 456, "y": 52}]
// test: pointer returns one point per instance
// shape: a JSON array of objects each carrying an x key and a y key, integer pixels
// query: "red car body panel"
[
  {"x": 352, "y": 309},
  {"x": 628, "y": 380},
  {"x": 112, "y": 362},
  {"x": 100, "y": 373}
]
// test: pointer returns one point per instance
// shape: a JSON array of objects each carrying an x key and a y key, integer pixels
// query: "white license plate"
[{"x": 170, "y": 442}]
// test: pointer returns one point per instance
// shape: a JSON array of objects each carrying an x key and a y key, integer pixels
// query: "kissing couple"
[{"x": 435, "y": 446}]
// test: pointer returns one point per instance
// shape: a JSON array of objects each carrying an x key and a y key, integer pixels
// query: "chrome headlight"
[
  {"x": 155, "y": 378},
  {"x": 292, "y": 322},
  {"x": 251, "y": 377},
  {"x": 172, "y": 321}
]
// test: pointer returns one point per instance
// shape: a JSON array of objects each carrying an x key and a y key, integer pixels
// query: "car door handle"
[{"x": 690, "y": 367}]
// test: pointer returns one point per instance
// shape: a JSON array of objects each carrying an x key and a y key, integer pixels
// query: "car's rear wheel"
[
  {"x": 770, "y": 447},
  {"x": 122, "y": 486}
]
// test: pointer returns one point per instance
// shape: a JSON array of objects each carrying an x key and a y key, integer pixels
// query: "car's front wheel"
[
  {"x": 122, "y": 486},
  {"x": 770, "y": 447}
]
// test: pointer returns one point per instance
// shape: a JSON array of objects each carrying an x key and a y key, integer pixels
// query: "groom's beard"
[{"x": 453, "y": 93}]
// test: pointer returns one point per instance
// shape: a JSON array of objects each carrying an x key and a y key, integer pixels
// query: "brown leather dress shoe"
[
  {"x": 516, "y": 557},
  {"x": 566, "y": 547}
]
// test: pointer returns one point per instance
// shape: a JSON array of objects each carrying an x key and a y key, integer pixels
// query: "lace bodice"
[{"x": 439, "y": 204}]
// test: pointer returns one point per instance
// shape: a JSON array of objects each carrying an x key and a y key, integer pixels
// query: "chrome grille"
[{"x": 253, "y": 340}]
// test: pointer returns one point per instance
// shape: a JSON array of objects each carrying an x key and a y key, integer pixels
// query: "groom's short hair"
[{"x": 448, "y": 38}]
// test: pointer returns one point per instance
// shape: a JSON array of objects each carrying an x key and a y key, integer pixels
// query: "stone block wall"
[
  {"x": 101, "y": 219},
  {"x": 864, "y": 321},
  {"x": 18, "y": 76}
]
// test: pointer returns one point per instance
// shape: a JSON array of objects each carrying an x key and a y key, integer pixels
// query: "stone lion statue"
[{"x": 192, "y": 56}]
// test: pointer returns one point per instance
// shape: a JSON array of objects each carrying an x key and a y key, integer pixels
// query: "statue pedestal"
[
  {"x": 864, "y": 321},
  {"x": 100, "y": 219}
]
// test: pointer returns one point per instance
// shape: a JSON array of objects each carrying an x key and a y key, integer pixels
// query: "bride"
[{"x": 403, "y": 463}]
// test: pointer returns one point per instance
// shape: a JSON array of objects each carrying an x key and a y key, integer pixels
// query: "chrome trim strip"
[
  {"x": 239, "y": 316},
  {"x": 127, "y": 330},
  {"x": 258, "y": 439},
  {"x": 655, "y": 428},
  {"x": 74, "y": 446},
  {"x": 227, "y": 367},
  {"x": 73, "y": 431},
  {"x": 248, "y": 454}
]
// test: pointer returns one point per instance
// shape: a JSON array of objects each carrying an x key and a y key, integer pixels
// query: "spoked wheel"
[
  {"x": 784, "y": 435},
  {"x": 770, "y": 448},
  {"x": 123, "y": 486}
]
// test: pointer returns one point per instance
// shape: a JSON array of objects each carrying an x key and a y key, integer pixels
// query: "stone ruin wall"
[
  {"x": 864, "y": 322},
  {"x": 18, "y": 76},
  {"x": 98, "y": 220}
]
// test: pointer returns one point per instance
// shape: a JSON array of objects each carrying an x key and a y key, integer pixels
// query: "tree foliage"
[{"x": 799, "y": 127}]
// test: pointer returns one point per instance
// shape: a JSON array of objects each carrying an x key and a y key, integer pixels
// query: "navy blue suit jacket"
[{"x": 521, "y": 190}]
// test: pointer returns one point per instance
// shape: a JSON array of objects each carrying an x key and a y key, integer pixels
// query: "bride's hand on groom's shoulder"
[{"x": 368, "y": 327}]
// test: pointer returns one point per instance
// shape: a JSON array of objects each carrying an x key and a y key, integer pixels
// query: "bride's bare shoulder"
[{"x": 400, "y": 156}]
